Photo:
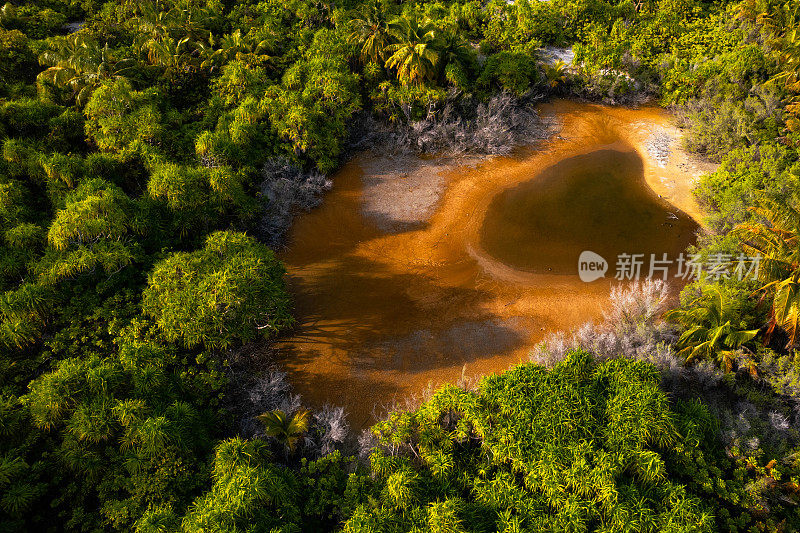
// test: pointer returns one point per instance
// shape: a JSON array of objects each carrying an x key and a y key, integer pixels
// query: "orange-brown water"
[
  {"x": 597, "y": 201},
  {"x": 488, "y": 275}
]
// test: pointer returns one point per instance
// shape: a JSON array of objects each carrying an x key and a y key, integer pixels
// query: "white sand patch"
[
  {"x": 553, "y": 54},
  {"x": 402, "y": 191}
]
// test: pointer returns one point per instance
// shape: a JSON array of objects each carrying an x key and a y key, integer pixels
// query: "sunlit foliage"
[
  {"x": 229, "y": 291},
  {"x": 149, "y": 149}
]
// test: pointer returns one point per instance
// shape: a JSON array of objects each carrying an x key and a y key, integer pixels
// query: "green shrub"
[
  {"x": 228, "y": 292},
  {"x": 513, "y": 72}
]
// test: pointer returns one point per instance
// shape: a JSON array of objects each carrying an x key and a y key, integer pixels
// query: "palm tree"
[
  {"x": 775, "y": 238},
  {"x": 171, "y": 36},
  {"x": 288, "y": 430},
  {"x": 455, "y": 57},
  {"x": 414, "y": 53},
  {"x": 751, "y": 10},
  {"x": 82, "y": 65},
  {"x": 776, "y": 19},
  {"x": 790, "y": 61},
  {"x": 781, "y": 25},
  {"x": 556, "y": 74},
  {"x": 370, "y": 30},
  {"x": 171, "y": 53},
  {"x": 709, "y": 331},
  {"x": 246, "y": 48},
  {"x": 158, "y": 19},
  {"x": 153, "y": 19}
]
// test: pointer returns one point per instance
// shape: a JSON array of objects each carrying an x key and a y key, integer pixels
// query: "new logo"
[{"x": 591, "y": 266}]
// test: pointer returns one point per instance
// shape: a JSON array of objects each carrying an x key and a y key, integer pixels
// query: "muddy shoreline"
[
  {"x": 402, "y": 191},
  {"x": 392, "y": 290}
]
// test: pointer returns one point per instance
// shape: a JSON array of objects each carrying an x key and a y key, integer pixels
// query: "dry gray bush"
[
  {"x": 329, "y": 430},
  {"x": 367, "y": 442},
  {"x": 462, "y": 126},
  {"x": 497, "y": 127},
  {"x": 253, "y": 394},
  {"x": 256, "y": 386},
  {"x": 287, "y": 190},
  {"x": 632, "y": 327},
  {"x": 752, "y": 428}
]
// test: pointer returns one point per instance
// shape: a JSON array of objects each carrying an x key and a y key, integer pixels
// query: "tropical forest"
[{"x": 442, "y": 266}]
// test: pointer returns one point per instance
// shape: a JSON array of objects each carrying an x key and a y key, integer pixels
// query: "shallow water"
[
  {"x": 597, "y": 201},
  {"x": 481, "y": 281}
]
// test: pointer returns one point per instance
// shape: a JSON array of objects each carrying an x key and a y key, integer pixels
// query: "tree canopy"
[
  {"x": 229, "y": 291},
  {"x": 150, "y": 150}
]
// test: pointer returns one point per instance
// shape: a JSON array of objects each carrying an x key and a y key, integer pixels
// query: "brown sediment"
[{"x": 392, "y": 297}]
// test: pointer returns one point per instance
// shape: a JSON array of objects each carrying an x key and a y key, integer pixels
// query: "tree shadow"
[{"x": 365, "y": 332}]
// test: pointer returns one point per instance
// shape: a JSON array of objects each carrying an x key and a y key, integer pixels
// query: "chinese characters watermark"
[{"x": 632, "y": 267}]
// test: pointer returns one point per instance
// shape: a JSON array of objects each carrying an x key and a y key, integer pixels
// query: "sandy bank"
[
  {"x": 401, "y": 192},
  {"x": 674, "y": 171},
  {"x": 392, "y": 289}
]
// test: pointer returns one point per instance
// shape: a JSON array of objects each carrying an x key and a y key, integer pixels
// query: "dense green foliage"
[
  {"x": 139, "y": 156},
  {"x": 219, "y": 295},
  {"x": 584, "y": 446},
  {"x": 580, "y": 447}
]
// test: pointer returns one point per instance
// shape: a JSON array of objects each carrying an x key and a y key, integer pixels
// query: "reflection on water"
[
  {"x": 385, "y": 314},
  {"x": 597, "y": 201}
]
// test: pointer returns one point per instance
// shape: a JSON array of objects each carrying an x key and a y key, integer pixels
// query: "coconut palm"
[
  {"x": 775, "y": 18},
  {"x": 288, "y": 430},
  {"x": 774, "y": 237},
  {"x": 233, "y": 46},
  {"x": 780, "y": 23},
  {"x": 159, "y": 19},
  {"x": 413, "y": 54},
  {"x": 751, "y": 10},
  {"x": 455, "y": 57},
  {"x": 169, "y": 35},
  {"x": 81, "y": 64},
  {"x": 556, "y": 74},
  {"x": 790, "y": 61},
  {"x": 153, "y": 19},
  {"x": 370, "y": 31},
  {"x": 171, "y": 53},
  {"x": 709, "y": 331}
]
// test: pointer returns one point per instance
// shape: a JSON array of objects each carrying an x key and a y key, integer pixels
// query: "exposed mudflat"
[
  {"x": 401, "y": 192},
  {"x": 394, "y": 290}
]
